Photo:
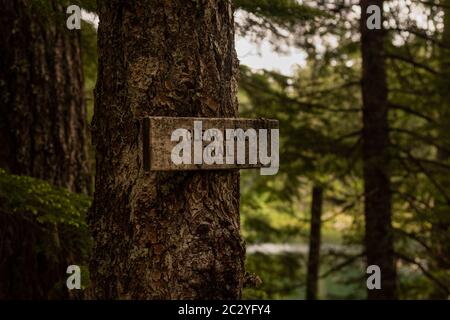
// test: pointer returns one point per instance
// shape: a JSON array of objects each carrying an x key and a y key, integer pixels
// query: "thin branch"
[
  {"x": 396, "y": 106},
  {"x": 421, "y": 35},
  {"x": 412, "y": 62},
  {"x": 425, "y": 272},
  {"x": 341, "y": 265}
]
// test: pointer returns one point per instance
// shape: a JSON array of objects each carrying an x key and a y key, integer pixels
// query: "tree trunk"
[
  {"x": 42, "y": 134},
  {"x": 377, "y": 186},
  {"x": 441, "y": 217},
  {"x": 314, "y": 244},
  {"x": 42, "y": 111},
  {"x": 162, "y": 235}
]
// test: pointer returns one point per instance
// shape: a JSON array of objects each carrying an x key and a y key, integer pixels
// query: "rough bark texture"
[
  {"x": 314, "y": 244},
  {"x": 42, "y": 111},
  {"x": 19, "y": 281},
  {"x": 377, "y": 186},
  {"x": 162, "y": 235},
  {"x": 42, "y": 134},
  {"x": 33, "y": 262}
]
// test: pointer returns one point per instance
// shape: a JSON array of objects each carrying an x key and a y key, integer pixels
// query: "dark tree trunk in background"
[
  {"x": 377, "y": 186},
  {"x": 42, "y": 110},
  {"x": 312, "y": 280},
  {"x": 441, "y": 216},
  {"x": 42, "y": 134},
  {"x": 161, "y": 235}
]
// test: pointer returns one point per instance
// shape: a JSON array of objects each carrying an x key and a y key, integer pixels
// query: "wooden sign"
[{"x": 175, "y": 143}]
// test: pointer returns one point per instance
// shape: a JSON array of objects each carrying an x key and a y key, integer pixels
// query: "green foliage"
[
  {"x": 23, "y": 194},
  {"x": 283, "y": 277},
  {"x": 48, "y": 226},
  {"x": 284, "y": 13},
  {"x": 88, "y": 5},
  {"x": 319, "y": 110},
  {"x": 273, "y": 18},
  {"x": 280, "y": 275}
]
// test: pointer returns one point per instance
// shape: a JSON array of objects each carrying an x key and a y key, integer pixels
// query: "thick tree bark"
[
  {"x": 42, "y": 111},
  {"x": 161, "y": 235},
  {"x": 312, "y": 280},
  {"x": 42, "y": 134},
  {"x": 377, "y": 186}
]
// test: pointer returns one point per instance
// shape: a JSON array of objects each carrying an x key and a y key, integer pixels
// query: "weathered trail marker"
[{"x": 172, "y": 143}]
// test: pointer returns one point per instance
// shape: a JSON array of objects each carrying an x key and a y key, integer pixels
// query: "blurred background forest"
[{"x": 321, "y": 178}]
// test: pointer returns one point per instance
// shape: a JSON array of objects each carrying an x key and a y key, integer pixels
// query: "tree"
[
  {"x": 162, "y": 235},
  {"x": 43, "y": 134},
  {"x": 418, "y": 126},
  {"x": 314, "y": 243},
  {"x": 42, "y": 112},
  {"x": 377, "y": 187},
  {"x": 441, "y": 223}
]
